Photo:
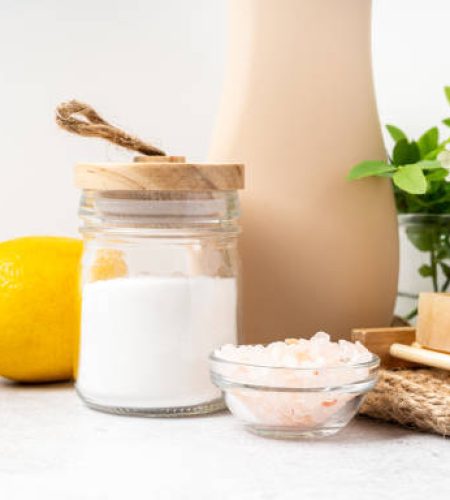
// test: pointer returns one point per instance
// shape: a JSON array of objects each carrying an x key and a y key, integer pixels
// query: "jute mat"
[{"x": 413, "y": 398}]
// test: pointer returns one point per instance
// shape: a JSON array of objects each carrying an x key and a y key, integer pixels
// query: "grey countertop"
[{"x": 52, "y": 447}]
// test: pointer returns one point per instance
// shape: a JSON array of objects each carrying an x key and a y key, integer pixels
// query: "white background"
[{"x": 155, "y": 67}]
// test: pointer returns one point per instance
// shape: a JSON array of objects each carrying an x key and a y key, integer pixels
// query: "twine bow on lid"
[{"x": 91, "y": 124}]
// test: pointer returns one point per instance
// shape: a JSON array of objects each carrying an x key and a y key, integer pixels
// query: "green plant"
[{"x": 419, "y": 174}]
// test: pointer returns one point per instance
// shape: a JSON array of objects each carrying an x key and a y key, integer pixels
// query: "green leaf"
[
  {"x": 369, "y": 169},
  {"x": 443, "y": 254},
  {"x": 447, "y": 93},
  {"x": 446, "y": 121},
  {"x": 437, "y": 174},
  {"x": 421, "y": 236},
  {"x": 395, "y": 132},
  {"x": 410, "y": 178},
  {"x": 425, "y": 271},
  {"x": 428, "y": 141},
  {"x": 405, "y": 153},
  {"x": 429, "y": 164}
]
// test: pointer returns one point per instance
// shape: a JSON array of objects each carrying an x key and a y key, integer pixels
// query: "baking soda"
[{"x": 145, "y": 341}]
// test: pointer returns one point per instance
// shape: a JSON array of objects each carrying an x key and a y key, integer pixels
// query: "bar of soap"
[{"x": 433, "y": 326}]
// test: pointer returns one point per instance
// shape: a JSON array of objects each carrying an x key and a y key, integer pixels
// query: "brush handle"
[{"x": 422, "y": 356}]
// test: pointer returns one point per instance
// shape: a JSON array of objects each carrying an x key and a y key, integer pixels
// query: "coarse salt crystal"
[{"x": 319, "y": 350}]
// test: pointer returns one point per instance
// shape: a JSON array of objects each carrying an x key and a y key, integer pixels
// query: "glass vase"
[{"x": 424, "y": 259}]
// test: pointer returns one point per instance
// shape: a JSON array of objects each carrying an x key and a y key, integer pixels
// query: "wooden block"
[
  {"x": 433, "y": 326},
  {"x": 379, "y": 341}
]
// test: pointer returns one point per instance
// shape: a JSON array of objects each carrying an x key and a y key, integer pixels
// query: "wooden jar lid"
[{"x": 159, "y": 173}]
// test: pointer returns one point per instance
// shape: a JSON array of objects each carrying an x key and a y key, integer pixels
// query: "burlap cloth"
[{"x": 413, "y": 398}]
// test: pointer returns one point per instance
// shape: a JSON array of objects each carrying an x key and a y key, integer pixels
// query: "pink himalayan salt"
[
  {"x": 322, "y": 363},
  {"x": 316, "y": 352}
]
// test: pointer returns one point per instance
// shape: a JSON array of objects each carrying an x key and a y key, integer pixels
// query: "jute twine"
[
  {"x": 89, "y": 123},
  {"x": 413, "y": 398}
]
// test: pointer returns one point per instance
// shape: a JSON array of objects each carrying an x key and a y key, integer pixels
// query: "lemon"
[{"x": 39, "y": 308}]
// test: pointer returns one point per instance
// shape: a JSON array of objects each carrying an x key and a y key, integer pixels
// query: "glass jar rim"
[
  {"x": 411, "y": 217},
  {"x": 372, "y": 363}
]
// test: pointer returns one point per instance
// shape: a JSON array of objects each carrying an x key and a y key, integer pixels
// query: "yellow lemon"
[{"x": 39, "y": 308}]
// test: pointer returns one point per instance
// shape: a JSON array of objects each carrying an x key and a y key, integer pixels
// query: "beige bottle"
[{"x": 298, "y": 108}]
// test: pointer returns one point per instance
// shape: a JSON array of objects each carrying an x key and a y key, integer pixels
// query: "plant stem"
[
  {"x": 412, "y": 314},
  {"x": 445, "y": 285},
  {"x": 434, "y": 271},
  {"x": 433, "y": 264}
]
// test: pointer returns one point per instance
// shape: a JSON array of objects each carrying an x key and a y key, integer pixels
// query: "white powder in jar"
[{"x": 145, "y": 341}]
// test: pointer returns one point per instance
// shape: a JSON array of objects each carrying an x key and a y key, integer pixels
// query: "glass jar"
[
  {"x": 424, "y": 259},
  {"x": 160, "y": 281}
]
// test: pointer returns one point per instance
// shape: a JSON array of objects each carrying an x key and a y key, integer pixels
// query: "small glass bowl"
[{"x": 293, "y": 403}]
